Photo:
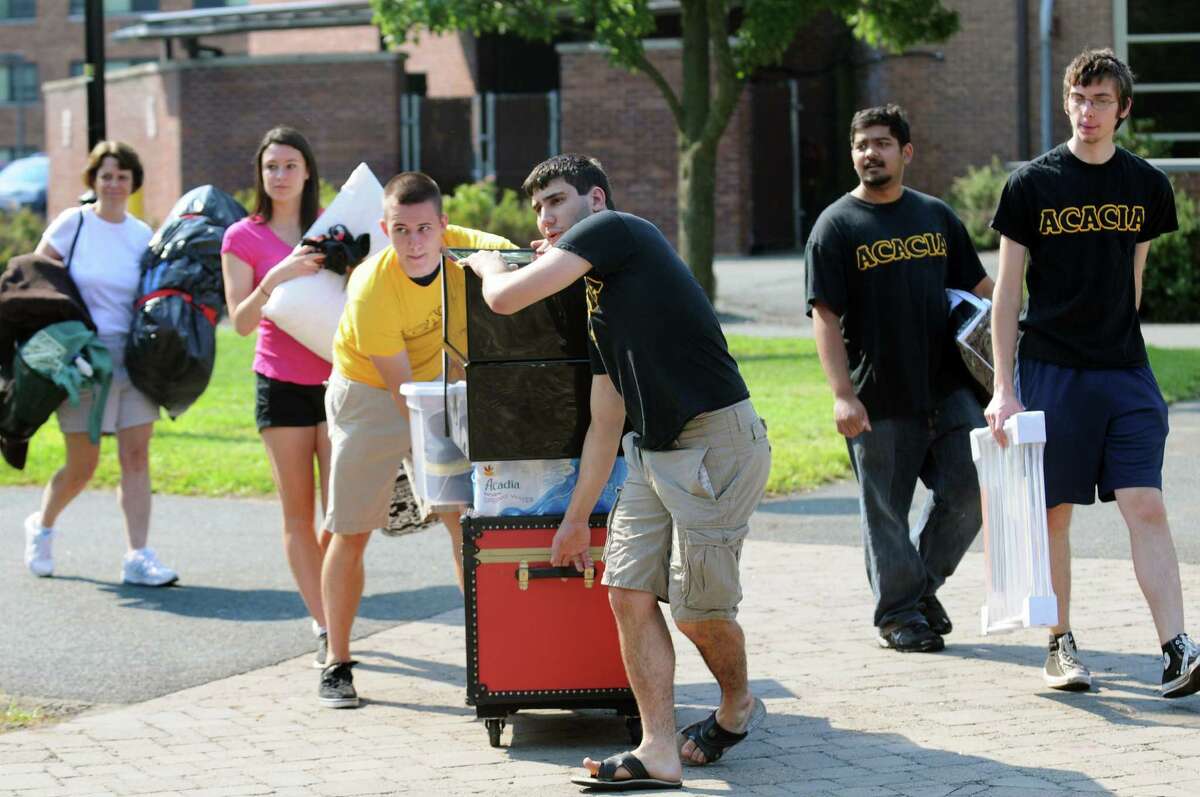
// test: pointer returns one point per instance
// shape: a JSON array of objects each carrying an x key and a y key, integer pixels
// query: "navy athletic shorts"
[{"x": 1106, "y": 428}]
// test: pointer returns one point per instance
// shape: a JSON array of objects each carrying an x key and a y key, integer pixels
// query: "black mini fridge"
[{"x": 528, "y": 377}]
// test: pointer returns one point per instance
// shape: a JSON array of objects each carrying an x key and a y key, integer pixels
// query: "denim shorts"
[{"x": 1106, "y": 428}]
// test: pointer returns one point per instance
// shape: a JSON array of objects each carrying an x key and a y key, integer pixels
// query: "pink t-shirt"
[{"x": 277, "y": 354}]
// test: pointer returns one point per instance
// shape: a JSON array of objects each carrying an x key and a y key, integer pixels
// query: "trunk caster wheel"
[{"x": 494, "y": 728}]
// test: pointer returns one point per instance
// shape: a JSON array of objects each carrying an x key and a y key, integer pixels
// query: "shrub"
[
  {"x": 19, "y": 234},
  {"x": 476, "y": 205},
  {"x": 974, "y": 197},
  {"x": 1171, "y": 282}
]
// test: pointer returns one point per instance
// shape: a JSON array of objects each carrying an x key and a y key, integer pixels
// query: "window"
[
  {"x": 218, "y": 3},
  {"x": 19, "y": 82},
  {"x": 111, "y": 64},
  {"x": 118, "y": 7},
  {"x": 1159, "y": 40},
  {"x": 18, "y": 9}
]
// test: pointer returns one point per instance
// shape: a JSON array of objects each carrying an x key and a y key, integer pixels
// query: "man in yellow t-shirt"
[{"x": 390, "y": 333}]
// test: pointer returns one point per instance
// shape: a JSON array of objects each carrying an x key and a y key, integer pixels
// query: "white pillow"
[{"x": 309, "y": 309}]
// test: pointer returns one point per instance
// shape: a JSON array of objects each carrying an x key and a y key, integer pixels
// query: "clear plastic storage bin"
[{"x": 441, "y": 473}]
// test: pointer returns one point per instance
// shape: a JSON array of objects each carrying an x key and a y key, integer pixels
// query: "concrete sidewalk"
[
  {"x": 764, "y": 296},
  {"x": 845, "y": 718}
]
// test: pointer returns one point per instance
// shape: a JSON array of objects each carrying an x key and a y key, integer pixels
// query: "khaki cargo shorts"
[
  {"x": 678, "y": 527},
  {"x": 369, "y": 439}
]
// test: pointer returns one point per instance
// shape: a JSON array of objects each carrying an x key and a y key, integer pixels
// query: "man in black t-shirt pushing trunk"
[
  {"x": 879, "y": 261},
  {"x": 1086, "y": 212},
  {"x": 698, "y": 459}
]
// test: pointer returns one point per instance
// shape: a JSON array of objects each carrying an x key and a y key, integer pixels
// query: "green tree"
[{"x": 717, "y": 60}]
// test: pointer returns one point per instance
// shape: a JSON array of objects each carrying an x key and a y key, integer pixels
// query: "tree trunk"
[{"x": 697, "y": 210}]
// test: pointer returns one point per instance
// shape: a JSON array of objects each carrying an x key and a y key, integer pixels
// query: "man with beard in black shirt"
[
  {"x": 879, "y": 261},
  {"x": 698, "y": 459},
  {"x": 1086, "y": 212}
]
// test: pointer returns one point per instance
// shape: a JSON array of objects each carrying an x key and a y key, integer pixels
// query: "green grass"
[
  {"x": 213, "y": 449},
  {"x": 17, "y": 713},
  {"x": 1177, "y": 372},
  {"x": 14, "y": 717},
  {"x": 789, "y": 391}
]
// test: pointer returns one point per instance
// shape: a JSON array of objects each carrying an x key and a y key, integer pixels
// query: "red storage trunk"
[{"x": 537, "y": 636}]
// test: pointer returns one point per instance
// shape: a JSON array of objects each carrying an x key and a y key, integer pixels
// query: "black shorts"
[{"x": 278, "y": 403}]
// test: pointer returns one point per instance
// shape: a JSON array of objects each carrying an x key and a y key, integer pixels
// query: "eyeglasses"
[{"x": 1080, "y": 101}]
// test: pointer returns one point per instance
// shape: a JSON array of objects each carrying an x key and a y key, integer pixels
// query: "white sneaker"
[
  {"x": 38, "y": 557},
  {"x": 142, "y": 567}
]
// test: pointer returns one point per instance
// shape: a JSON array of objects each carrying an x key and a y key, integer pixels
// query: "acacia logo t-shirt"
[
  {"x": 1081, "y": 223},
  {"x": 884, "y": 269}
]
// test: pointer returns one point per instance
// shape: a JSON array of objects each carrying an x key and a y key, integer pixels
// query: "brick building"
[
  {"x": 42, "y": 41},
  {"x": 196, "y": 122},
  {"x": 785, "y": 153}
]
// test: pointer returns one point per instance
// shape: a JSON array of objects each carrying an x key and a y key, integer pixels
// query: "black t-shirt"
[
  {"x": 652, "y": 328},
  {"x": 884, "y": 270},
  {"x": 1080, "y": 223}
]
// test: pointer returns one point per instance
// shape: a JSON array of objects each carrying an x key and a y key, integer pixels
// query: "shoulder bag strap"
[{"x": 71, "y": 253}]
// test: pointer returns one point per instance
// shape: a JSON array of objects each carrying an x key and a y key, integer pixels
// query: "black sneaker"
[
  {"x": 1181, "y": 667},
  {"x": 1063, "y": 669},
  {"x": 935, "y": 614},
  {"x": 916, "y": 637},
  {"x": 322, "y": 651},
  {"x": 337, "y": 686}
]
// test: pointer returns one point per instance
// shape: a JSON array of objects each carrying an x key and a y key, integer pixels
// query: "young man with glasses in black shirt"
[{"x": 1086, "y": 212}]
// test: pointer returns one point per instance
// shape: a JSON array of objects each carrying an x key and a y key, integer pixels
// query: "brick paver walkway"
[{"x": 845, "y": 718}]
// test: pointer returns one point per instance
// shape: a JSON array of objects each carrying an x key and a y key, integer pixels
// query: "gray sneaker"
[
  {"x": 38, "y": 556},
  {"x": 1063, "y": 668},
  {"x": 337, "y": 686}
]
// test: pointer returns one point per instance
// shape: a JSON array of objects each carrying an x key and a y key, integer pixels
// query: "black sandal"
[
  {"x": 639, "y": 779},
  {"x": 713, "y": 740}
]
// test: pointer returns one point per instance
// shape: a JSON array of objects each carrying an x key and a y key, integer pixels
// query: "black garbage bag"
[
  {"x": 342, "y": 250},
  {"x": 191, "y": 236},
  {"x": 172, "y": 343},
  {"x": 199, "y": 278},
  {"x": 171, "y": 349},
  {"x": 210, "y": 202}
]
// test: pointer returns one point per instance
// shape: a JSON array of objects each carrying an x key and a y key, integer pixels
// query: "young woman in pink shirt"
[{"x": 259, "y": 253}]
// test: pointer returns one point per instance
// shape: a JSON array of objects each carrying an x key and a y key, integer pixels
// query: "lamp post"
[{"x": 93, "y": 69}]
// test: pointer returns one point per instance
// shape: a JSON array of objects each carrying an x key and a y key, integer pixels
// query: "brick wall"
[
  {"x": 623, "y": 120},
  {"x": 200, "y": 122},
  {"x": 356, "y": 39},
  {"x": 447, "y": 60},
  {"x": 971, "y": 112},
  {"x": 1078, "y": 24}
]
